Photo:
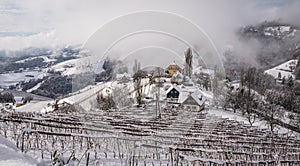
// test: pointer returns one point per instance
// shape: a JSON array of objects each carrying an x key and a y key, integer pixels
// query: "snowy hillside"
[
  {"x": 66, "y": 67},
  {"x": 273, "y": 29},
  {"x": 264, "y": 45},
  {"x": 46, "y": 59},
  {"x": 280, "y": 31},
  {"x": 86, "y": 96},
  {"x": 285, "y": 69}
]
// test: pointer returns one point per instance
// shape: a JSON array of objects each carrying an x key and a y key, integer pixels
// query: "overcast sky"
[{"x": 74, "y": 21}]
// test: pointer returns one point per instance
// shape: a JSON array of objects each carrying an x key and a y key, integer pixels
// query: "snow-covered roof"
[
  {"x": 126, "y": 75},
  {"x": 188, "y": 88},
  {"x": 200, "y": 69},
  {"x": 173, "y": 64},
  {"x": 172, "y": 87},
  {"x": 188, "y": 82},
  {"x": 18, "y": 99},
  {"x": 235, "y": 84},
  {"x": 200, "y": 94},
  {"x": 182, "y": 96},
  {"x": 197, "y": 96},
  {"x": 197, "y": 99}
]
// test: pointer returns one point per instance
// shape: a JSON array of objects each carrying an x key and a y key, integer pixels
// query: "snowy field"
[
  {"x": 13, "y": 78},
  {"x": 11, "y": 155}
]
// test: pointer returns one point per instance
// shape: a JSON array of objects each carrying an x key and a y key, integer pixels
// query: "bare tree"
[
  {"x": 159, "y": 85},
  {"x": 249, "y": 97},
  {"x": 218, "y": 88},
  {"x": 137, "y": 78},
  {"x": 271, "y": 109},
  {"x": 105, "y": 103},
  {"x": 188, "y": 62},
  {"x": 120, "y": 95}
]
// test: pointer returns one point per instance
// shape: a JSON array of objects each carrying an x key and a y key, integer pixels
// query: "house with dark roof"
[
  {"x": 172, "y": 93},
  {"x": 188, "y": 98}
]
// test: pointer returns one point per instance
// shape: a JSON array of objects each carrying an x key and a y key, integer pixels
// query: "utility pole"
[
  {"x": 158, "y": 114},
  {"x": 157, "y": 104}
]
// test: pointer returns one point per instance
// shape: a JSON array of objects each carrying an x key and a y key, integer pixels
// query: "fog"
[{"x": 73, "y": 22}]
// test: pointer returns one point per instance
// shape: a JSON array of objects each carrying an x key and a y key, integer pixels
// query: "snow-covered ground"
[
  {"x": 285, "y": 69},
  {"x": 66, "y": 67},
  {"x": 259, "y": 123},
  {"x": 37, "y": 107},
  {"x": 10, "y": 155},
  {"x": 280, "y": 31},
  {"x": 173, "y": 129},
  {"x": 13, "y": 78},
  {"x": 85, "y": 97},
  {"x": 236, "y": 116},
  {"x": 77, "y": 66},
  {"x": 46, "y": 59},
  {"x": 114, "y": 131}
]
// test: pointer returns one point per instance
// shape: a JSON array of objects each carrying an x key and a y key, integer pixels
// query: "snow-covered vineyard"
[{"x": 136, "y": 137}]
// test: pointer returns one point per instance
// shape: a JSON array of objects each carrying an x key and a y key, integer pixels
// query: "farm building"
[
  {"x": 188, "y": 98},
  {"x": 19, "y": 101},
  {"x": 173, "y": 68},
  {"x": 193, "y": 101}
]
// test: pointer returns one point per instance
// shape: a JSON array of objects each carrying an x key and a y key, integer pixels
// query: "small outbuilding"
[{"x": 19, "y": 101}]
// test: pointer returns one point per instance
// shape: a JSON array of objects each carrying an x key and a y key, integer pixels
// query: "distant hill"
[{"x": 275, "y": 43}]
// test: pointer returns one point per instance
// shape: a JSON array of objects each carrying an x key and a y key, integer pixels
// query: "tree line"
[{"x": 258, "y": 91}]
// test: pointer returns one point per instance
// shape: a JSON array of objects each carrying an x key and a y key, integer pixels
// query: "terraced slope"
[{"x": 136, "y": 137}]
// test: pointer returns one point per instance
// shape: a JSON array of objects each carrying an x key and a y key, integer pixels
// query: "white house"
[
  {"x": 189, "y": 98},
  {"x": 193, "y": 101},
  {"x": 19, "y": 101},
  {"x": 124, "y": 77}
]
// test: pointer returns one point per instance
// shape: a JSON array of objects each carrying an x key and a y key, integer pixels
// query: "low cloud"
[
  {"x": 19, "y": 41},
  {"x": 75, "y": 21}
]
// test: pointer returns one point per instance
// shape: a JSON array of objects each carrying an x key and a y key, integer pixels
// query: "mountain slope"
[{"x": 264, "y": 45}]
